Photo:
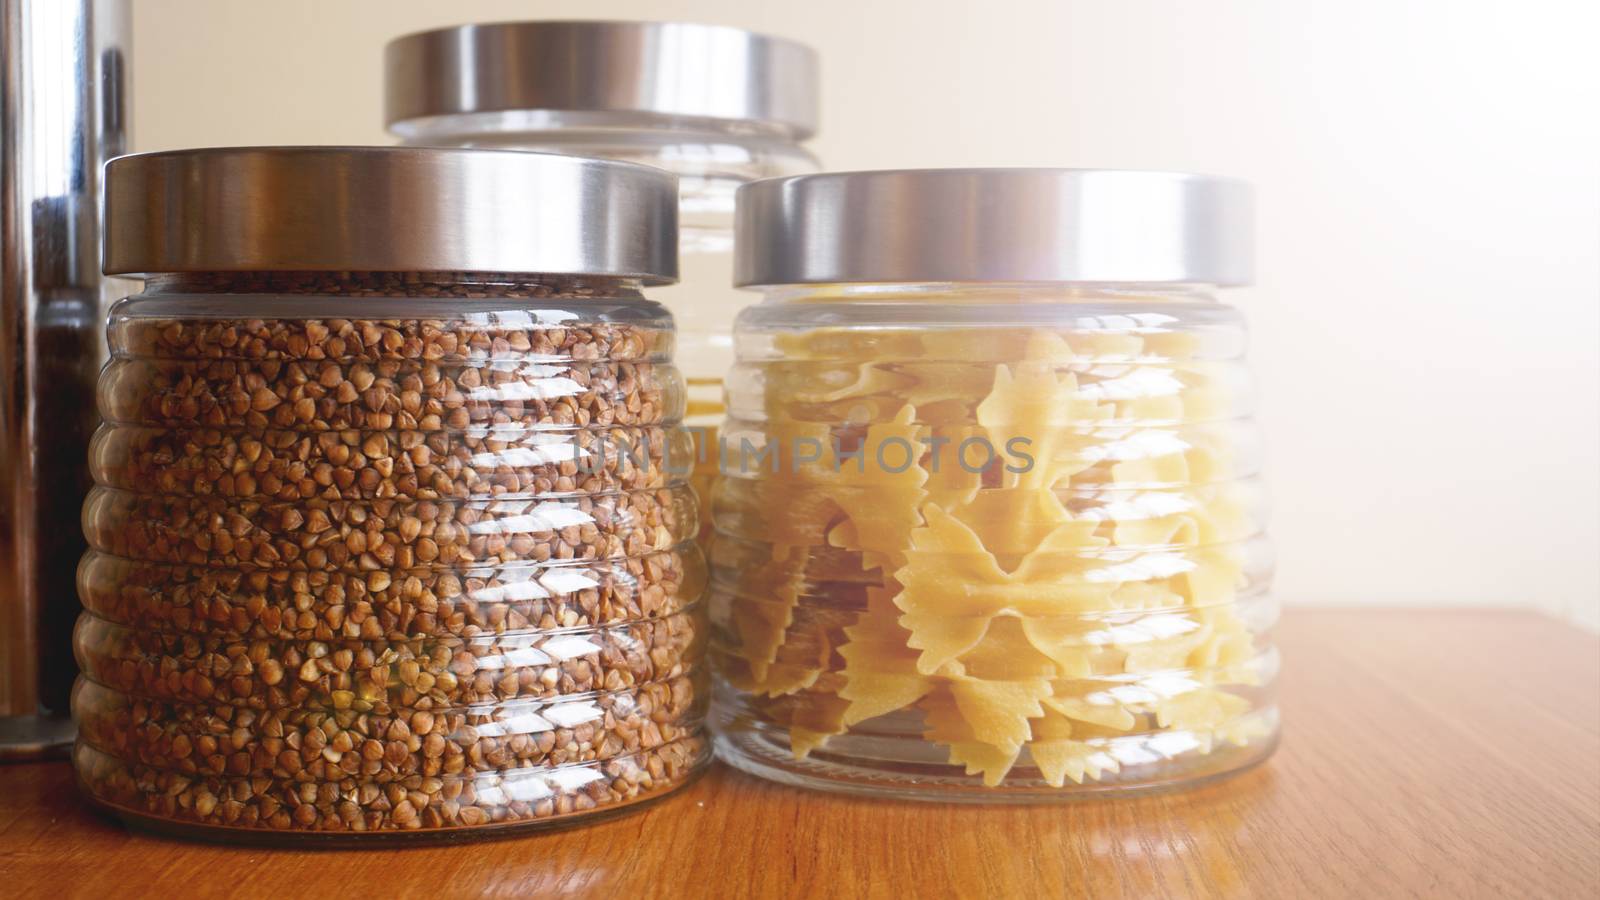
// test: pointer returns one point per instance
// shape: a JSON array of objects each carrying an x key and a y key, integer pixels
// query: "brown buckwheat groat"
[
  {"x": 575, "y": 321},
  {"x": 385, "y": 535},
  {"x": 423, "y": 566},
  {"x": 380, "y": 675},
  {"x": 324, "y": 606},
  {"x": 408, "y": 395},
  {"x": 355, "y": 805},
  {"x": 329, "y": 745},
  {"x": 413, "y": 465}
]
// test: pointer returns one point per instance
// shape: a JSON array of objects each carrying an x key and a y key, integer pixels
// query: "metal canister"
[{"x": 63, "y": 82}]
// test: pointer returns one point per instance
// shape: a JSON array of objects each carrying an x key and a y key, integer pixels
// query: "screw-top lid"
[
  {"x": 670, "y": 68},
  {"x": 994, "y": 225},
  {"x": 389, "y": 209}
]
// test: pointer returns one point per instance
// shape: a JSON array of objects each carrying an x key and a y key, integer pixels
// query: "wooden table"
[{"x": 1446, "y": 754}]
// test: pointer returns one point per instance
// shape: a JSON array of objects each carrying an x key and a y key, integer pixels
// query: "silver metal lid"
[
  {"x": 671, "y": 68},
  {"x": 389, "y": 209},
  {"x": 994, "y": 225}
]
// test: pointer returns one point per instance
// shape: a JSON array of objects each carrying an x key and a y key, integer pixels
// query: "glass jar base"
[
  {"x": 901, "y": 768},
  {"x": 334, "y": 840}
]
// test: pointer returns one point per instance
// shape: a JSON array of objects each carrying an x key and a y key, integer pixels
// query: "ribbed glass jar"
[
  {"x": 387, "y": 554},
  {"x": 988, "y": 541},
  {"x": 436, "y": 549}
]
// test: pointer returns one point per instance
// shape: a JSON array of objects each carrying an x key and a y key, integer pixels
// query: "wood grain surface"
[{"x": 1432, "y": 754}]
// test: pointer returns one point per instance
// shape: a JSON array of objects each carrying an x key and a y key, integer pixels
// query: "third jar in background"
[
  {"x": 990, "y": 524},
  {"x": 716, "y": 106}
]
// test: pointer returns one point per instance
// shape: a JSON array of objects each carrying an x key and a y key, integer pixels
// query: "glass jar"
[
  {"x": 717, "y": 106},
  {"x": 391, "y": 533},
  {"x": 990, "y": 521}
]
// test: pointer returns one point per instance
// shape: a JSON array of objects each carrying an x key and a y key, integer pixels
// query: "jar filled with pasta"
[
  {"x": 717, "y": 106},
  {"x": 991, "y": 519},
  {"x": 391, "y": 533}
]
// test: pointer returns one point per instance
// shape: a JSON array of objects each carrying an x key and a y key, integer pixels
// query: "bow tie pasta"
[{"x": 1019, "y": 556}]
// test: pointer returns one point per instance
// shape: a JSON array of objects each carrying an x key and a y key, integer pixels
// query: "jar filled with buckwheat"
[{"x": 391, "y": 532}]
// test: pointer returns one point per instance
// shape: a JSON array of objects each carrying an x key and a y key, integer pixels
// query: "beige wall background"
[{"x": 1427, "y": 317}]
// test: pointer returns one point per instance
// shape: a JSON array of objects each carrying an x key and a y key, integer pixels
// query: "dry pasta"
[{"x": 1070, "y": 610}]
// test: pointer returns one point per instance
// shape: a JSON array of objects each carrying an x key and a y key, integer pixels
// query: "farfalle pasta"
[
  {"x": 1049, "y": 579},
  {"x": 990, "y": 521}
]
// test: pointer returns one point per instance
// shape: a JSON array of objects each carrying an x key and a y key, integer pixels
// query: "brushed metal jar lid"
[
  {"x": 671, "y": 68},
  {"x": 389, "y": 209},
  {"x": 994, "y": 225}
]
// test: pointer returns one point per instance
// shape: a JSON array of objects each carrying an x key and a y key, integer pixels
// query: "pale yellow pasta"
[{"x": 1046, "y": 615}]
